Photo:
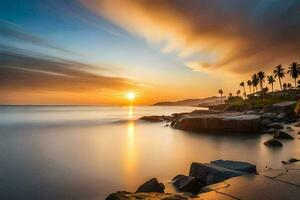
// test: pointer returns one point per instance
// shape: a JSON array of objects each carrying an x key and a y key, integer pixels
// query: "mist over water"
[{"x": 87, "y": 152}]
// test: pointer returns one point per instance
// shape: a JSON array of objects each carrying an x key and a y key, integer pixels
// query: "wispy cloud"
[
  {"x": 15, "y": 32},
  {"x": 28, "y": 72},
  {"x": 244, "y": 35}
]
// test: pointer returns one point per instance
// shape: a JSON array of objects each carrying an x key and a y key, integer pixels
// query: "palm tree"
[
  {"x": 238, "y": 93},
  {"x": 255, "y": 82},
  {"x": 242, "y": 84},
  {"x": 271, "y": 81},
  {"x": 230, "y": 94},
  {"x": 221, "y": 93},
  {"x": 261, "y": 77},
  {"x": 284, "y": 86},
  {"x": 249, "y": 83},
  {"x": 294, "y": 71},
  {"x": 279, "y": 72},
  {"x": 289, "y": 86}
]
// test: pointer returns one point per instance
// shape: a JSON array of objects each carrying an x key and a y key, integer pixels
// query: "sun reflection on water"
[
  {"x": 130, "y": 151},
  {"x": 130, "y": 112}
]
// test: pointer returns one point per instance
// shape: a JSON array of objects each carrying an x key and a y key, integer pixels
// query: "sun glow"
[{"x": 131, "y": 96}]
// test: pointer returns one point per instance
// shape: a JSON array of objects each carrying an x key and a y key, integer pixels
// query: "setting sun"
[{"x": 131, "y": 96}]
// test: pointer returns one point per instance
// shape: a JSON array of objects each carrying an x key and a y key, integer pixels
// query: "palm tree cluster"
[{"x": 259, "y": 79}]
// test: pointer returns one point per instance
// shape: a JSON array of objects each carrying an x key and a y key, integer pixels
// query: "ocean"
[{"x": 88, "y": 152}]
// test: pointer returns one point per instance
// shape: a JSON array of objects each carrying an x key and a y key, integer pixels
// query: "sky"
[{"x": 95, "y": 51}]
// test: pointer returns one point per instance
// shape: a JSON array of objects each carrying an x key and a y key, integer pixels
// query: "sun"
[{"x": 131, "y": 96}]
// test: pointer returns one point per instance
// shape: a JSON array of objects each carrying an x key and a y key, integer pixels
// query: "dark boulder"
[
  {"x": 187, "y": 184},
  {"x": 152, "y": 118},
  {"x": 273, "y": 143},
  {"x": 268, "y": 115},
  {"x": 266, "y": 122},
  {"x": 123, "y": 195},
  {"x": 282, "y": 117},
  {"x": 236, "y": 165},
  {"x": 283, "y": 135},
  {"x": 270, "y": 131},
  {"x": 152, "y": 186},
  {"x": 275, "y": 125},
  {"x": 208, "y": 173}
]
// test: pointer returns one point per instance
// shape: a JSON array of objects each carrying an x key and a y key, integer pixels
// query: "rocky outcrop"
[
  {"x": 273, "y": 143},
  {"x": 236, "y": 165},
  {"x": 123, "y": 195},
  {"x": 283, "y": 135},
  {"x": 152, "y": 118},
  {"x": 187, "y": 184},
  {"x": 221, "y": 123},
  {"x": 152, "y": 186},
  {"x": 209, "y": 173}
]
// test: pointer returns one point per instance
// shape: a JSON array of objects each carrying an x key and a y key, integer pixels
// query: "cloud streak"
[
  {"x": 241, "y": 36},
  {"x": 23, "y": 71}
]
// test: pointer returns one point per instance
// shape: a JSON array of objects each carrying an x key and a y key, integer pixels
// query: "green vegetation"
[{"x": 263, "y": 97}]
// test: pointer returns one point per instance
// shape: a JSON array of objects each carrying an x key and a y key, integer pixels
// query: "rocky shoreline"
[
  {"x": 223, "y": 180},
  {"x": 228, "y": 179}
]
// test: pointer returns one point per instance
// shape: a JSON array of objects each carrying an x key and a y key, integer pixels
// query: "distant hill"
[{"x": 192, "y": 102}]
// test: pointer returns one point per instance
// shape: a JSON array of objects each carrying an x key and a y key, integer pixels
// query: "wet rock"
[
  {"x": 187, "y": 184},
  {"x": 291, "y": 160},
  {"x": 152, "y": 118},
  {"x": 266, "y": 122},
  {"x": 275, "y": 126},
  {"x": 268, "y": 115},
  {"x": 271, "y": 131},
  {"x": 298, "y": 124},
  {"x": 283, "y": 135},
  {"x": 123, "y": 195},
  {"x": 220, "y": 123},
  {"x": 282, "y": 117},
  {"x": 208, "y": 173},
  {"x": 273, "y": 143},
  {"x": 236, "y": 165},
  {"x": 152, "y": 186}
]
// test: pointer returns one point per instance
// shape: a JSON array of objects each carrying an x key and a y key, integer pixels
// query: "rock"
[
  {"x": 268, "y": 115},
  {"x": 273, "y": 142},
  {"x": 152, "y": 186},
  {"x": 271, "y": 130},
  {"x": 283, "y": 135},
  {"x": 252, "y": 112},
  {"x": 208, "y": 173},
  {"x": 289, "y": 128},
  {"x": 285, "y": 107},
  {"x": 291, "y": 160},
  {"x": 187, "y": 184},
  {"x": 298, "y": 124},
  {"x": 152, "y": 118},
  {"x": 220, "y": 123},
  {"x": 266, "y": 122},
  {"x": 123, "y": 195},
  {"x": 282, "y": 117},
  {"x": 275, "y": 125},
  {"x": 236, "y": 165}
]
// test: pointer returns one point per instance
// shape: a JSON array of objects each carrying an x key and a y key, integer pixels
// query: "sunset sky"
[{"x": 96, "y": 51}]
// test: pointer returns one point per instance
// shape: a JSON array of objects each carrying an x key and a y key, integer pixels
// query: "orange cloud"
[{"x": 242, "y": 36}]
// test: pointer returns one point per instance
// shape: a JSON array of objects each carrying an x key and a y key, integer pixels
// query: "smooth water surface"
[{"x": 87, "y": 152}]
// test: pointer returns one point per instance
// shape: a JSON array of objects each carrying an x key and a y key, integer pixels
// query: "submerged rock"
[
  {"x": 152, "y": 118},
  {"x": 236, "y": 165},
  {"x": 123, "y": 195},
  {"x": 276, "y": 126},
  {"x": 152, "y": 186},
  {"x": 208, "y": 173},
  {"x": 187, "y": 184},
  {"x": 283, "y": 135},
  {"x": 273, "y": 142}
]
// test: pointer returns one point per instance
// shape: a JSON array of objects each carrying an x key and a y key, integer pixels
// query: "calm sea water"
[{"x": 77, "y": 152}]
